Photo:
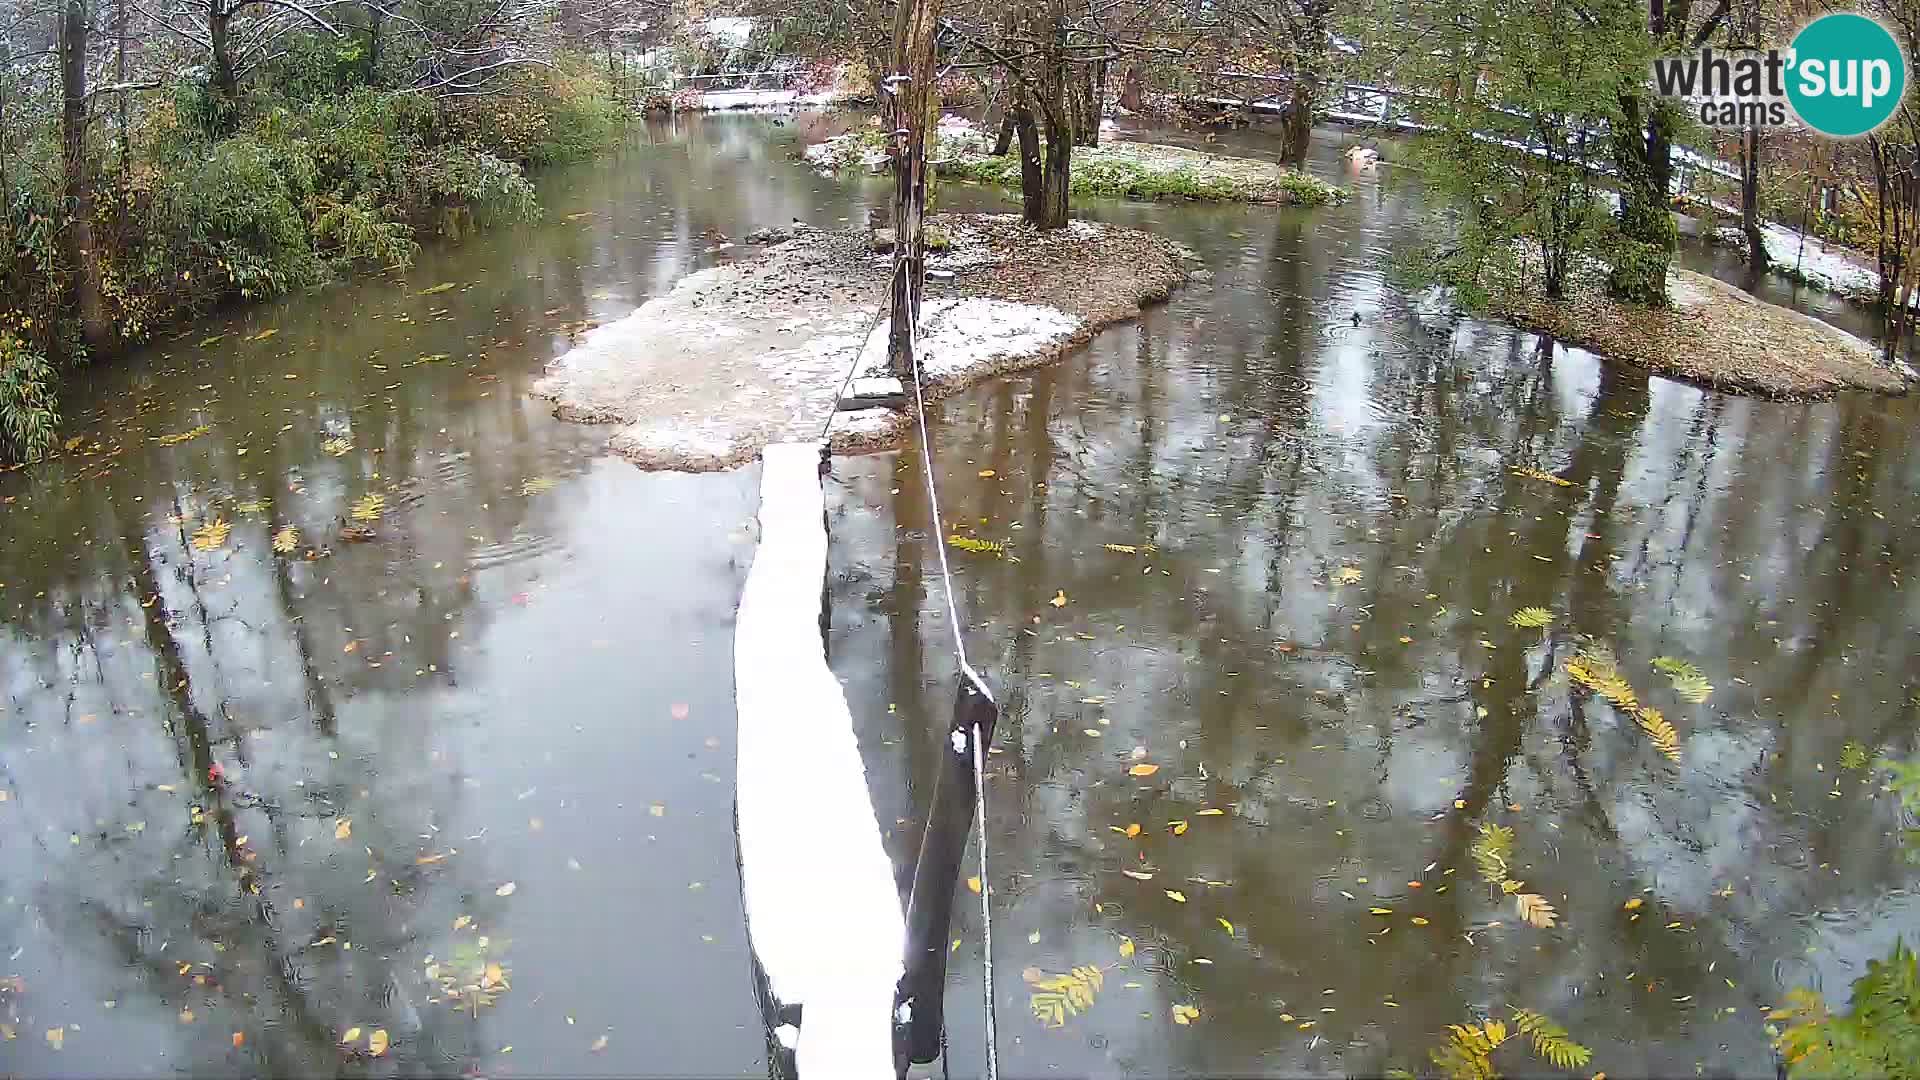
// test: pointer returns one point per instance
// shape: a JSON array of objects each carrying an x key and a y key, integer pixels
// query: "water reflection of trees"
[
  {"x": 1271, "y": 450},
  {"x": 196, "y": 724}
]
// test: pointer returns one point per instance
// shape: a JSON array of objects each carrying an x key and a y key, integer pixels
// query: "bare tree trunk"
[
  {"x": 1032, "y": 173},
  {"x": 1081, "y": 108},
  {"x": 224, "y": 82},
  {"x": 83, "y": 259},
  {"x": 376, "y": 27},
  {"x": 1057, "y": 179},
  {"x": 1750, "y": 202},
  {"x": 913, "y": 31},
  {"x": 1132, "y": 89}
]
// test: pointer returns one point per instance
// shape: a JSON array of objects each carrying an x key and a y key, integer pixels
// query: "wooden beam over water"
[{"x": 823, "y": 914}]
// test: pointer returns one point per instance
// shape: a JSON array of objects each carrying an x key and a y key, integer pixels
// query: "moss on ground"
[{"x": 1116, "y": 170}]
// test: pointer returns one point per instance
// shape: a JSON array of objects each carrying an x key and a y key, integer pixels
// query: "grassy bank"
[
  {"x": 278, "y": 191},
  {"x": 1114, "y": 169}
]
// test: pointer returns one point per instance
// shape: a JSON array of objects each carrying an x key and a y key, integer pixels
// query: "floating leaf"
[
  {"x": 265, "y": 334},
  {"x": 1348, "y": 575},
  {"x": 184, "y": 436},
  {"x": 1179, "y": 827},
  {"x": 1176, "y": 896},
  {"x": 1595, "y": 669},
  {"x": 1133, "y": 829},
  {"x": 1535, "y": 474},
  {"x": 369, "y": 507},
  {"x": 535, "y": 486},
  {"x": 1853, "y": 756},
  {"x": 1138, "y": 875},
  {"x": 1224, "y": 924},
  {"x": 212, "y": 536},
  {"x": 986, "y": 474},
  {"x": 352, "y": 1035},
  {"x": 1532, "y": 618},
  {"x": 1688, "y": 681},
  {"x": 1665, "y": 739},
  {"x": 1055, "y": 998},
  {"x": 286, "y": 539},
  {"x": 57, "y": 1038},
  {"x": 1633, "y": 904},
  {"x": 336, "y": 447},
  {"x": 1467, "y": 1051},
  {"x": 599, "y": 1044},
  {"x": 1122, "y": 549},
  {"x": 1535, "y": 910},
  {"x": 1491, "y": 850},
  {"x": 343, "y": 829},
  {"x": 433, "y": 289},
  {"x": 977, "y": 546},
  {"x": 251, "y": 506},
  {"x": 1143, "y": 769},
  {"x": 973, "y": 885},
  {"x": 505, "y": 890},
  {"x": 1059, "y": 598},
  {"x": 377, "y": 1042},
  {"x": 1126, "y": 948},
  {"x": 1185, "y": 1014},
  {"x": 1550, "y": 1041}
]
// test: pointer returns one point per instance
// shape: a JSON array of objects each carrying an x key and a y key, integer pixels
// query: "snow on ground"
[{"x": 702, "y": 386}]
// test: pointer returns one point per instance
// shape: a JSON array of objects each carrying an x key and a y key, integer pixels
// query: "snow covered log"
[{"x": 823, "y": 915}]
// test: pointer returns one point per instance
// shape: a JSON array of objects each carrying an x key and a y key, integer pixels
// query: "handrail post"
[{"x": 919, "y": 1008}]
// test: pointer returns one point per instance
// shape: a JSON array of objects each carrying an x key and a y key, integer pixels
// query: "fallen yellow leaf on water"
[
  {"x": 1185, "y": 1014},
  {"x": 1380, "y": 911},
  {"x": 1211, "y": 811},
  {"x": 1138, "y": 875},
  {"x": 1133, "y": 830},
  {"x": 343, "y": 829},
  {"x": 505, "y": 890},
  {"x": 1179, "y": 828},
  {"x": 1144, "y": 769},
  {"x": 1418, "y": 921},
  {"x": 1535, "y": 910},
  {"x": 57, "y": 1038},
  {"x": 186, "y": 1016},
  {"x": 1176, "y": 896},
  {"x": 1632, "y": 905},
  {"x": 239, "y": 1039},
  {"x": 1224, "y": 924},
  {"x": 1126, "y": 948},
  {"x": 352, "y": 1035},
  {"x": 984, "y": 473},
  {"x": 377, "y": 1042},
  {"x": 493, "y": 976},
  {"x": 599, "y": 1044},
  {"x": 973, "y": 885},
  {"x": 1059, "y": 598},
  {"x": 462, "y": 922}
]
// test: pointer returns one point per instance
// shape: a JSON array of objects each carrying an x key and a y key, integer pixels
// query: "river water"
[{"x": 466, "y": 783}]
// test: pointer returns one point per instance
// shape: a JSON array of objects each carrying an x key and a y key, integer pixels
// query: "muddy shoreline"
[{"x": 1712, "y": 335}]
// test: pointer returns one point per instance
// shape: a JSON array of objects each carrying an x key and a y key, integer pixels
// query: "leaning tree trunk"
[
  {"x": 1750, "y": 202},
  {"x": 82, "y": 257}
]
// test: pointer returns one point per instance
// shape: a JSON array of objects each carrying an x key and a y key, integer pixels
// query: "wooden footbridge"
[
  {"x": 851, "y": 985},
  {"x": 1386, "y": 108}
]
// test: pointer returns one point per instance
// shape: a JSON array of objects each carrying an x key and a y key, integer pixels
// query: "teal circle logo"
[{"x": 1846, "y": 75}]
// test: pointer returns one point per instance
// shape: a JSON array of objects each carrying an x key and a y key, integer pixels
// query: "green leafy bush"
[
  {"x": 1879, "y": 1036},
  {"x": 28, "y": 414}
]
